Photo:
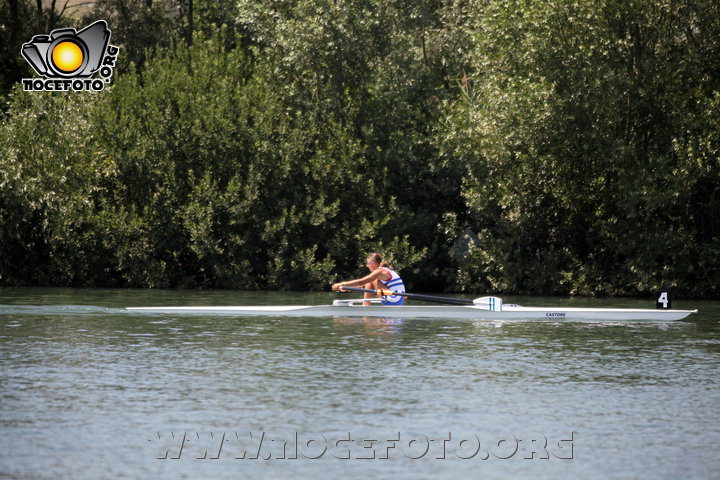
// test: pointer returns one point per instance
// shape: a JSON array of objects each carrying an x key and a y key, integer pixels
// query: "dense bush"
[
  {"x": 569, "y": 148},
  {"x": 590, "y": 136}
]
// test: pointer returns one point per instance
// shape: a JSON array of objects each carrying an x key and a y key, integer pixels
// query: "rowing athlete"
[{"x": 381, "y": 277}]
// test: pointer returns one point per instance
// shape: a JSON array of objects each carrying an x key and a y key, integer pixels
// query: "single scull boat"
[{"x": 486, "y": 308}]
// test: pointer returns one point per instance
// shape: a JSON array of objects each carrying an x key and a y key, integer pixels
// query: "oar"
[{"x": 427, "y": 298}]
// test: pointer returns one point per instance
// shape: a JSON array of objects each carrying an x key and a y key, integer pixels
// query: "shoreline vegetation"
[{"x": 544, "y": 148}]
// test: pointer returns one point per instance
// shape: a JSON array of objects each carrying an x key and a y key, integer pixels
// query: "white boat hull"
[{"x": 510, "y": 312}]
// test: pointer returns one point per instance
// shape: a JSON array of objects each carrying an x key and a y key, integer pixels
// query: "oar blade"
[{"x": 491, "y": 304}]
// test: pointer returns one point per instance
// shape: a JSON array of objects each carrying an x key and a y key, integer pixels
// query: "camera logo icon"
[{"x": 67, "y": 54}]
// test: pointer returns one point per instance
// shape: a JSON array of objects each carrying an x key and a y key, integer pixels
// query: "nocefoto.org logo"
[{"x": 67, "y": 59}]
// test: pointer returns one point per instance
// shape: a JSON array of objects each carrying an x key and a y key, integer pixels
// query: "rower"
[{"x": 381, "y": 277}]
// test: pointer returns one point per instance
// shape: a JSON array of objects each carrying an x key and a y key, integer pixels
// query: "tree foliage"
[
  {"x": 560, "y": 147},
  {"x": 574, "y": 126}
]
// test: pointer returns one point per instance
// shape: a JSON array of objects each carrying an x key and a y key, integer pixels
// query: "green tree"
[
  {"x": 555, "y": 147},
  {"x": 138, "y": 27},
  {"x": 568, "y": 128}
]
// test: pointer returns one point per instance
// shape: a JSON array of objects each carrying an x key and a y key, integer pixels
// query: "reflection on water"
[
  {"x": 385, "y": 327},
  {"x": 87, "y": 390}
]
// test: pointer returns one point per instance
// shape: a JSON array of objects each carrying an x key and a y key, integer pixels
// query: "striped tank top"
[{"x": 395, "y": 284}]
